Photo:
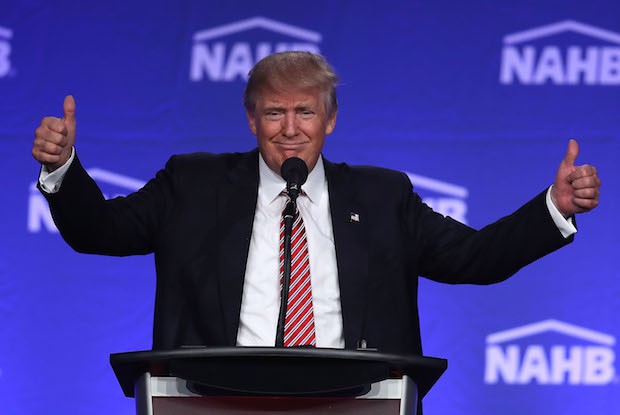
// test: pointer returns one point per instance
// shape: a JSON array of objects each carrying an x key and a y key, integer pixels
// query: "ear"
[
  {"x": 251, "y": 120},
  {"x": 331, "y": 124}
]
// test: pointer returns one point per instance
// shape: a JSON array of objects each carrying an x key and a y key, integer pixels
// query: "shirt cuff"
[
  {"x": 565, "y": 226},
  {"x": 50, "y": 182}
]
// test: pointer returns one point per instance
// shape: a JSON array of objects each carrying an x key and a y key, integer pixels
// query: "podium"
[{"x": 266, "y": 380}]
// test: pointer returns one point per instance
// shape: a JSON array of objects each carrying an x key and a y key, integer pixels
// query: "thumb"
[
  {"x": 571, "y": 152},
  {"x": 69, "y": 109}
]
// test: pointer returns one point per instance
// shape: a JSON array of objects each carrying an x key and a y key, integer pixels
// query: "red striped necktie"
[{"x": 299, "y": 322}]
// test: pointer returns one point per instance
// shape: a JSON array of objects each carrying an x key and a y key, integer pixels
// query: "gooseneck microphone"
[{"x": 295, "y": 172}]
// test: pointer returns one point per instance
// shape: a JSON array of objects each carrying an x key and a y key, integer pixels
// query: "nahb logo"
[
  {"x": 5, "y": 51},
  {"x": 39, "y": 216},
  {"x": 445, "y": 198},
  {"x": 587, "y": 360},
  {"x": 221, "y": 54},
  {"x": 596, "y": 61}
]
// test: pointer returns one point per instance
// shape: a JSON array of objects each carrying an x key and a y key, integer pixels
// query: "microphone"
[{"x": 295, "y": 172}]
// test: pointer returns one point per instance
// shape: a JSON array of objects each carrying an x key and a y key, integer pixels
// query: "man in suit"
[{"x": 213, "y": 223}]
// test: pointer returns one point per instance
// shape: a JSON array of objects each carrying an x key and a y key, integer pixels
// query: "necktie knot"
[{"x": 285, "y": 193}]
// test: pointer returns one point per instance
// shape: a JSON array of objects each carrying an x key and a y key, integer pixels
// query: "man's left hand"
[{"x": 576, "y": 188}]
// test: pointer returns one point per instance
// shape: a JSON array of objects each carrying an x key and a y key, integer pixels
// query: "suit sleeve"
[
  {"x": 121, "y": 226},
  {"x": 451, "y": 252}
]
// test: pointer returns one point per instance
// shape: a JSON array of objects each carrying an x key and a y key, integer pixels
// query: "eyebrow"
[{"x": 281, "y": 107}]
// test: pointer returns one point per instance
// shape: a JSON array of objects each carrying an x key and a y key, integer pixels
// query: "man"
[{"x": 213, "y": 223}]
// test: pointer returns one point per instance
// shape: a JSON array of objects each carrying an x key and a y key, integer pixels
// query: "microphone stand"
[{"x": 289, "y": 216}]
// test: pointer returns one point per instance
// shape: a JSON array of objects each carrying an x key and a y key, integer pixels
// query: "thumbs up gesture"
[
  {"x": 576, "y": 188},
  {"x": 54, "y": 138}
]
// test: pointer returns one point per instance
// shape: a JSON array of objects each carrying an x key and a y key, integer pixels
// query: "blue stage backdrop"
[{"x": 475, "y": 100}]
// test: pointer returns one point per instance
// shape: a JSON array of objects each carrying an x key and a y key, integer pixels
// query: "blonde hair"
[{"x": 292, "y": 69}]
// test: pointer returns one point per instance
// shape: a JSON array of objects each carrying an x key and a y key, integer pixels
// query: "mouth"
[{"x": 291, "y": 146}]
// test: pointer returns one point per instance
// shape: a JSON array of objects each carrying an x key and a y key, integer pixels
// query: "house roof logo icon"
[
  {"x": 551, "y": 326},
  {"x": 562, "y": 27},
  {"x": 258, "y": 22},
  {"x": 105, "y": 176},
  {"x": 434, "y": 185},
  {"x": 120, "y": 180}
]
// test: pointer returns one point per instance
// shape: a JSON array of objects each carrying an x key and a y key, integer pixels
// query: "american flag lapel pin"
[{"x": 355, "y": 217}]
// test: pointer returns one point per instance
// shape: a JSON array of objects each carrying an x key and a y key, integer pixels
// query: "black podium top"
[{"x": 276, "y": 371}]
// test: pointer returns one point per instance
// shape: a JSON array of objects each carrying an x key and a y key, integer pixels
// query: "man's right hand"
[{"x": 54, "y": 139}]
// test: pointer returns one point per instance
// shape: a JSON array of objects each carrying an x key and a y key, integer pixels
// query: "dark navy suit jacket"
[{"x": 196, "y": 215}]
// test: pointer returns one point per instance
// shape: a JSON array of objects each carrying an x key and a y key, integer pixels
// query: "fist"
[
  {"x": 54, "y": 138},
  {"x": 576, "y": 189}
]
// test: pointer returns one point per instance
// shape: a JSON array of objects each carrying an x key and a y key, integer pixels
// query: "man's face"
[{"x": 290, "y": 124}]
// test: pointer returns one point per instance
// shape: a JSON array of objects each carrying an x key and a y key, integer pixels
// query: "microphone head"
[{"x": 294, "y": 171}]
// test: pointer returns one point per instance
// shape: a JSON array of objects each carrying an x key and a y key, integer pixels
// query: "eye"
[{"x": 273, "y": 115}]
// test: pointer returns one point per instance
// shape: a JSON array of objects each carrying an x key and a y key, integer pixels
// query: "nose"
[{"x": 289, "y": 125}]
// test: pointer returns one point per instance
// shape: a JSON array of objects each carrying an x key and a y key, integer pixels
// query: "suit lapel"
[
  {"x": 236, "y": 206},
  {"x": 350, "y": 235}
]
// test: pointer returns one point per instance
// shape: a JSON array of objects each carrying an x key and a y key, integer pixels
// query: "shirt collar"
[{"x": 271, "y": 184}]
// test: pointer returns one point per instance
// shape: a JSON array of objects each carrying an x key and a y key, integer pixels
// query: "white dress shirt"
[{"x": 260, "y": 305}]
